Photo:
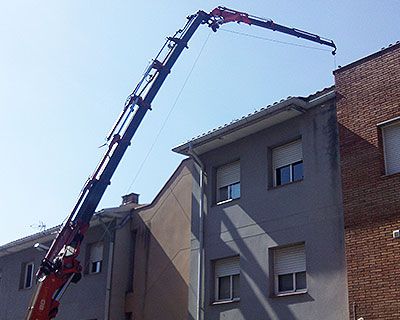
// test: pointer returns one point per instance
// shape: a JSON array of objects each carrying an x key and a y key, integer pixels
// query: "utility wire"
[
  {"x": 169, "y": 113},
  {"x": 272, "y": 40}
]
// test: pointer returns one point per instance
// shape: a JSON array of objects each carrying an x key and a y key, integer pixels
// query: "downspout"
[
  {"x": 110, "y": 259},
  {"x": 110, "y": 263},
  {"x": 109, "y": 278},
  {"x": 200, "y": 259}
]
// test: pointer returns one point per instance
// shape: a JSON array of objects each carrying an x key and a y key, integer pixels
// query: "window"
[
  {"x": 96, "y": 257},
  {"x": 391, "y": 147},
  {"x": 290, "y": 269},
  {"x": 228, "y": 182},
  {"x": 27, "y": 275},
  {"x": 287, "y": 163},
  {"x": 227, "y": 279}
]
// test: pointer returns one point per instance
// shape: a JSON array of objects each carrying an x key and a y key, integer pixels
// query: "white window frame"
[
  {"x": 230, "y": 186},
  {"x": 290, "y": 163},
  {"x": 26, "y": 273},
  {"x": 98, "y": 263},
  {"x": 231, "y": 298},
  {"x": 384, "y": 126},
  {"x": 293, "y": 271}
]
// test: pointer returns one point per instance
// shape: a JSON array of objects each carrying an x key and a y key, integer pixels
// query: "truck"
[{"x": 60, "y": 266}]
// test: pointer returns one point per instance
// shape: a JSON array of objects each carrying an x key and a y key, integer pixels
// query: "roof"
[
  {"x": 49, "y": 234},
  {"x": 28, "y": 241},
  {"x": 263, "y": 118},
  {"x": 384, "y": 50}
]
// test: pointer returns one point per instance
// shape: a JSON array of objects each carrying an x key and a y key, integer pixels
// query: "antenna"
[{"x": 41, "y": 226}]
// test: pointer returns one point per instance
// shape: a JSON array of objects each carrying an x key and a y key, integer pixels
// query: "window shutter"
[
  {"x": 226, "y": 267},
  {"x": 287, "y": 154},
  {"x": 290, "y": 259},
  {"x": 96, "y": 252},
  {"x": 391, "y": 138},
  {"x": 228, "y": 174}
]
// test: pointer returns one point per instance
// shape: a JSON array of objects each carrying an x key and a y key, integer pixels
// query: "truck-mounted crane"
[{"x": 60, "y": 266}]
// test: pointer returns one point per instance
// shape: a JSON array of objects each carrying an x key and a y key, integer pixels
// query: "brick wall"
[{"x": 368, "y": 93}]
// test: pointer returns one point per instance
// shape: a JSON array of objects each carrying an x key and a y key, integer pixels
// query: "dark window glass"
[
  {"x": 96, "y": 267},
  {"x": 301, "y": 281},
  {"x": 235, "y": 191},
  {"x": 297, "y": 173},
  {"x": 223, "y": 194},
  {"x": 236, "y": 286},
  {"x": 285, "y": 282},
  {"x": 229, "y": 192},
  {"x": 29, "y": 272},
  {"x": 224, "y": 286},
  {"x": 283, "y": 175}
]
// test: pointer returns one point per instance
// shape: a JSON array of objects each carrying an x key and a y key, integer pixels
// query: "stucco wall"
[
  {"x": 265, "y": 217},
  {"x": 161, "y": 266}
]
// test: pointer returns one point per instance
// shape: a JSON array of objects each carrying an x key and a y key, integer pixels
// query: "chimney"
[{"x": 130, "y": 198}]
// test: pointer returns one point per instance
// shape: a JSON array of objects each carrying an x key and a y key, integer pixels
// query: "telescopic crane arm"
[
  {"x": 221, "y": 15},
  {"x": 60, "y": 266}
]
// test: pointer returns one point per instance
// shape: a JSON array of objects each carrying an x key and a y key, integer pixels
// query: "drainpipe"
[
  {"x": 110, "y": 263},
  {"x": 109, "y": 276},
  {"x": 110, "y": 259},
  {"x": 200, "y": 259}
]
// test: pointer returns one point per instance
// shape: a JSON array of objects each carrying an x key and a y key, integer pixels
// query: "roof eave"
[
  {"x": 50, "y": 234},
  {"x": 253, "y": 123},
  {"x": 291, "y": 103}
]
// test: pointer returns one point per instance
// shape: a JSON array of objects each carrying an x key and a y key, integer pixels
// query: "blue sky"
[{"x": 67, "y": 67}]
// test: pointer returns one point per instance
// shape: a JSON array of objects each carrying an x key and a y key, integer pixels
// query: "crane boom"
[
  {"x": 60, "y": 266},
  {"x": 222, "y": 15}
]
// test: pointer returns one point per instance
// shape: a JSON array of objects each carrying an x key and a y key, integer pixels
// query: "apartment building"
[
  {"x": 91, "y": 298},
  {"x": 368, "y": 112},
  {"x": 135, "y": 260},
  {"x": 267, "y": 224}
]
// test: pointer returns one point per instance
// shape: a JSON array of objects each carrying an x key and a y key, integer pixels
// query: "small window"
[
  {"x": 96, "y": 257},
  {"x": 290, "y": 269},
  {"x": 287, "y": 163},
  {"x": 27, "y": 270},
  {"x": 227, "y": 279},
  {"x": 228, "y": 182},
  {"x": 391, "y": 147}
]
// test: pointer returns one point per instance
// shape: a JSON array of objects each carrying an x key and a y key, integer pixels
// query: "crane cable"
[
  {"x": 169, "y": 112},
  {"x": 272, "y": 40},
  {"x": 280, "y": 42}
]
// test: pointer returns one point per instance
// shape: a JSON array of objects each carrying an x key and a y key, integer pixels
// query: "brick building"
[{"x": 368, "y": 114}]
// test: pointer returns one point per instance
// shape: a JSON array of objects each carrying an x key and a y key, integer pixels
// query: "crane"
[{"x": 61, "y": 267}]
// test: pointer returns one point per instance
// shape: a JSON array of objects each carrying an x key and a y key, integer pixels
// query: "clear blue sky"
[{"x": 66, "y": 68}]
